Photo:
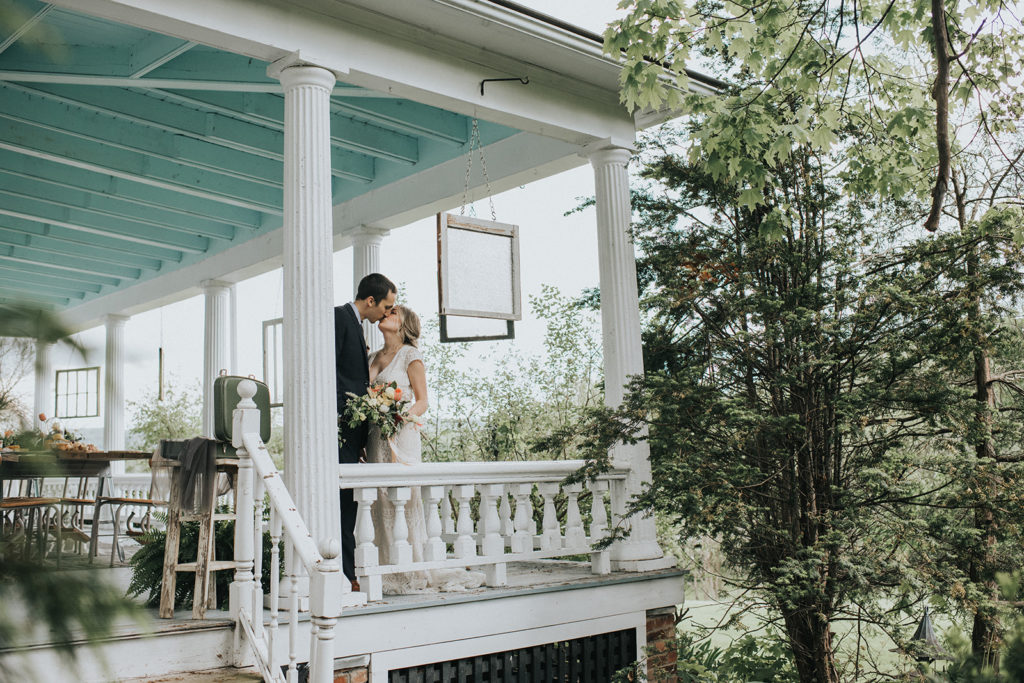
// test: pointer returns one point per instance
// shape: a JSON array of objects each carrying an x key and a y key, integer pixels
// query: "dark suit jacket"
[{"x": 352, "y": 374}]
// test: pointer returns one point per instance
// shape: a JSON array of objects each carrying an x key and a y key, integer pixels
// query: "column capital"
[
  {"x": 361, "y": 234},
  {"x": 295, "y": 69},
  {"x": 209, "y": 285},
  {"x": 607, "y": 156},
  {"x": 115, "y": 319}
]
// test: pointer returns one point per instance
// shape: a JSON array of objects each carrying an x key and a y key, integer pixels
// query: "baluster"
[
  {"x": 575, "y": 537},
  {"x": 275, "y": 582},
  {"x": 551, "y": 539},
  {"x": 508, "y": 527},
  {"x": 447, "y": 521},
  {"x": 465, "y": 545},
  {"x": 293, "y": 616},
  {"x": 366, "y": 554},
  {"x": 257, "y": 571},
  {"x": 600, "y": 561},
  {"x": 434, "y": 550},
  {"x": 522, "y": 540},
  {"x": 401, "y": 551},
  {"x": 492, "y": 545}
]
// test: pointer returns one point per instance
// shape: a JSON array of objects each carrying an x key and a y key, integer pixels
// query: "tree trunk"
[
  {"x": 810, "y": 637},
  {"x": 985, "y": 634}
]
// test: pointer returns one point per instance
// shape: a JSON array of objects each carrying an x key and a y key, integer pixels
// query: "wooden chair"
[
  {"x": 78, "y": 495},
  {"x": 27, "y": 513}
]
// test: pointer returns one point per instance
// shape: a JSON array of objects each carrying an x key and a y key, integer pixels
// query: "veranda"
[{"x": 179, "y": 148}]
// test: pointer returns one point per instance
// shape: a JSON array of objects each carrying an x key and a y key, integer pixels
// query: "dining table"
[{"x": 22, "y": 464}]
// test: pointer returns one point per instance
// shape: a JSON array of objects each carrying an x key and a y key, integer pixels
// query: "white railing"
[
  {"x": 502, "y": 528},
  {"x": 303, "y": 559}
]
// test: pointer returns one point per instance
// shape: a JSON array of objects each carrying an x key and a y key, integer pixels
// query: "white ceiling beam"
[
  {"x": 25, "y": 27},
  {"x": 163, "y": 59}
]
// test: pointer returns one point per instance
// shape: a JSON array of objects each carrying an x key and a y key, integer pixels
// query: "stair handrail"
[{"x": 320, "y": 563}]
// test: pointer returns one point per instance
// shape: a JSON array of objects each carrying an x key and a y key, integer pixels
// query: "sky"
[{"x": 555, "y": 250}]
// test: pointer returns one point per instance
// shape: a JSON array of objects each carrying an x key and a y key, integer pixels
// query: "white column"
[
  {"x": 366, "y": 243},
  {"x": 620, "y": 326},
  {"x": 44, "y": 400},
  {"x": 310, "y": 410},
  {"x": 233, "y": 330},
  {"x": 113, "y": 401},
  {"x": 216, "y": 342}
]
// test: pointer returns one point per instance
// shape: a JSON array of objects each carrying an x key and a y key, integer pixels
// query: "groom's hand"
[{"x": 362, "y": 458}]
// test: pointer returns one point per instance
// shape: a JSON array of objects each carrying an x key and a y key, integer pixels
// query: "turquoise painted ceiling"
[{"x": 125, "y": 154}]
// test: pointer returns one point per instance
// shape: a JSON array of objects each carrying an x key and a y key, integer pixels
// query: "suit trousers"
[{"x": 348, "y": 454}]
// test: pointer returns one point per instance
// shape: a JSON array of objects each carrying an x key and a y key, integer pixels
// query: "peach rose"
[
  {"x": 398, "y": 394},
  {"x": 42, "y": 417}
]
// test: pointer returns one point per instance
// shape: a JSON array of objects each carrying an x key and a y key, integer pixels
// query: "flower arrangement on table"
[
  {"x": 381, "y": 405},
  {"x": 47, "y": 437}
]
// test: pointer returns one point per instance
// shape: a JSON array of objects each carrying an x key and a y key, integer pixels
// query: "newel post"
[
  {"x": 245, "y": 419},
  {"x": 325, "y": 596}
]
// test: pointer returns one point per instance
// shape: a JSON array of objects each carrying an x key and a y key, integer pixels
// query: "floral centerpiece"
[
  {"x": 381, "y": 405},
  {"x": 47, "y": 437}
]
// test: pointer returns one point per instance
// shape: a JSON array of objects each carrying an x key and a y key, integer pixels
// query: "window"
[
  {"x": 273, "y": 360},
  {"x": 78, "y": 392}
]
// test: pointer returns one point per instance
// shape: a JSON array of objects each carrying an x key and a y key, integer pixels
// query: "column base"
[{"x": 666, "y": 562}]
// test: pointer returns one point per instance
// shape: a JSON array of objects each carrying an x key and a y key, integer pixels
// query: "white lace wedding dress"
[{"x": 405, "y": 449}]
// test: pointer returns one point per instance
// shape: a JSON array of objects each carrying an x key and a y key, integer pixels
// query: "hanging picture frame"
[{"x": 478, "y": 278}]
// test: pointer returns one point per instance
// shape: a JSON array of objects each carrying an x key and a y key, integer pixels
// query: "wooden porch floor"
[{"x": 207, "y": 643}]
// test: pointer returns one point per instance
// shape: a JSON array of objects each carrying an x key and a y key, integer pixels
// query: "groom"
[{"x": 375, "y": 297}]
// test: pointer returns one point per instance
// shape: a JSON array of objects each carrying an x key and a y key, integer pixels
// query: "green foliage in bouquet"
[{"x": 148, "y": 564}]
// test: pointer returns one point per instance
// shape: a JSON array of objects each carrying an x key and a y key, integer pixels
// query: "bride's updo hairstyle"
[{"x": 410, "y": 327}]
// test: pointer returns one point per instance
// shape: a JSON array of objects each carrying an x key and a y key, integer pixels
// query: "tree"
[
  {"x": 894, "y": 70},
  {"x": 976, "y": 265},
  {"x": 16, "y": 359},
  {"x": 923, "y": 86},
  {"x": 177, "y": 416},
  {"x": 507, "y": 414},
  {"x": 786, "y": 382}
]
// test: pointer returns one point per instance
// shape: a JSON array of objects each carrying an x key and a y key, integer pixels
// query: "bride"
[{"x": 400, "y": 362}]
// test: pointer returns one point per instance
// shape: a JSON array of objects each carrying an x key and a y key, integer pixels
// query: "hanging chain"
[{"x": 474, "y": 138}]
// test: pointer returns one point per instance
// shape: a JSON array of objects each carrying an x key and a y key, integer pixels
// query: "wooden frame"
[{"x": 448, "y": 221}]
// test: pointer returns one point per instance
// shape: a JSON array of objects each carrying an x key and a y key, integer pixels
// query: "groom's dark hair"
[{"x": 375, "y": 285}]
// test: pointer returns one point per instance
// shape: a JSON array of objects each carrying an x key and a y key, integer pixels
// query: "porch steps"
[{"x": 223, "y": 675}]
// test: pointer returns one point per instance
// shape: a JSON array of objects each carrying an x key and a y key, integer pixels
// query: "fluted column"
[
  {"x": 44, "y": 398},
  {"x": 310, "y": 411},
  {"x": 113, "y": 397},
  {"x": 216, "y": 342},
  {"x": 366, "y": 243},
  {"x": 620, "y": 327}
]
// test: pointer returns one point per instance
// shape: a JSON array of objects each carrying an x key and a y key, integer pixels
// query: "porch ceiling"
[{"x": 126, "y": 153}]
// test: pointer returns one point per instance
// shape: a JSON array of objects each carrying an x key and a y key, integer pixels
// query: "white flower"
[
  {"x": 390, "y": 392},
  {"x": 383, "y": 409}
]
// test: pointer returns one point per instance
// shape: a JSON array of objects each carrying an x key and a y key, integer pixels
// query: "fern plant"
[{"x": 148, "y": 564}]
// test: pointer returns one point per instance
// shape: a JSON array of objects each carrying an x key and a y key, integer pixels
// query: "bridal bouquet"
[{"x": 382, "y": 405}]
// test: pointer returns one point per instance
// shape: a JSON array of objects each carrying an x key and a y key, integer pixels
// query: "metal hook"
[{"x": 524, "y": 80}]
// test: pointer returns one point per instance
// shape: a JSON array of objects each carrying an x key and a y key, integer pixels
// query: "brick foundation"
[
  {"x": 359, "y": 674},
  {"x": 661, "y": 645}
]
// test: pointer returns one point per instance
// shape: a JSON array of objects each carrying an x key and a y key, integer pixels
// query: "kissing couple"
[{"x": 356, "y": 370}]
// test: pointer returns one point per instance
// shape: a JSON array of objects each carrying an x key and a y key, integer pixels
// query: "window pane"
[{"x": 480, "y": 272}]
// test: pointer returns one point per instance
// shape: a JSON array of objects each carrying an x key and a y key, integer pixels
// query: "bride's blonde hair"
[{"x": 410, "y": 325}]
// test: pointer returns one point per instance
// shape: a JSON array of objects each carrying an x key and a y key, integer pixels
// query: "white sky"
[{"x": 555, "y": 250}]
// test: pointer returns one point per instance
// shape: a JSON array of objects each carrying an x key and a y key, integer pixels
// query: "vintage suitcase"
[{"x": 225, "y": 399}]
